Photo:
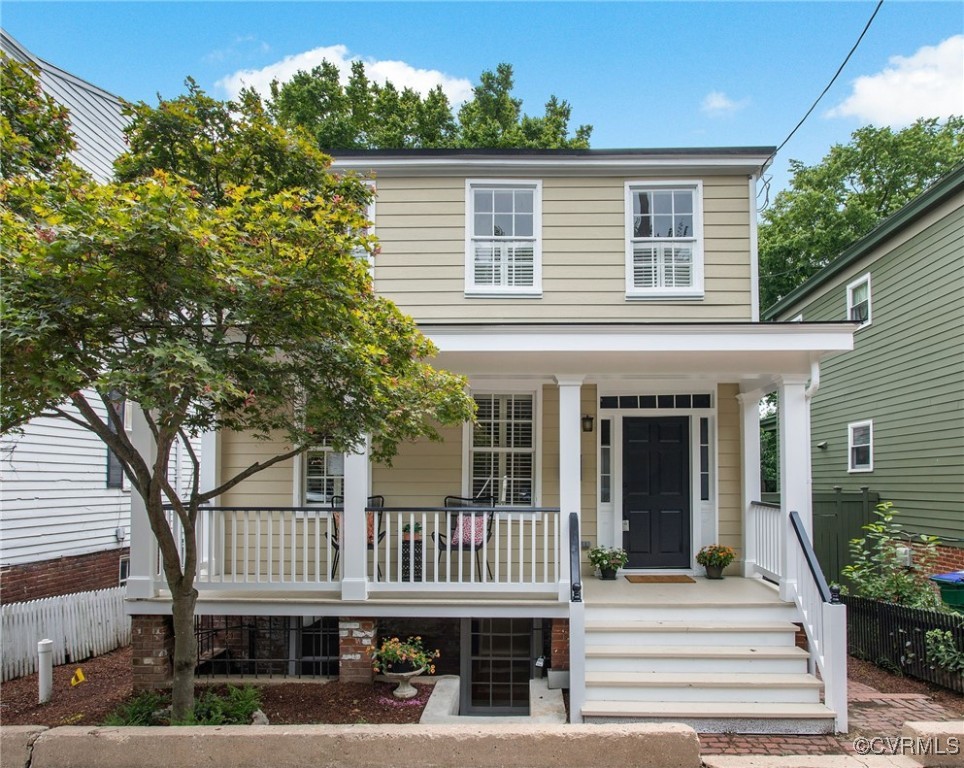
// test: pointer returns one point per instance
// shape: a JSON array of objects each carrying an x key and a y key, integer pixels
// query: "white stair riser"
[
  {"x": 698, "y": 614},
  {"x": 677, "y": 664},
  {"x": 791, "y": 726},
  {"x": 801, "y": 695},
  {"x": 691, "y": 639}
]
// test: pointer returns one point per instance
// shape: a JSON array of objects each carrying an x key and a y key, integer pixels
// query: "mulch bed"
[{"x": 108, "y": 684}]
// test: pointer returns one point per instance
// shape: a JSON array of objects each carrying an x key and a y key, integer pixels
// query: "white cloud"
[
  {"x": 929, "y": 83},
  {"x": 402, "y": 75},
  {"x": 717, "y": 103}
]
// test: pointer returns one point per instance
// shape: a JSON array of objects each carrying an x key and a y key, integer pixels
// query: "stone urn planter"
[{"x": 404, "y": 689}]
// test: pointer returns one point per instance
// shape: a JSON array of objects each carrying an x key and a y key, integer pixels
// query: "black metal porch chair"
[
  {"x": 466, "y": 530},
  {"x": 376, "y": 529}
]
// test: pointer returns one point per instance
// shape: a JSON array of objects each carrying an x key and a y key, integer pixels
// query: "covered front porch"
[{"x": 582, "y": 419}]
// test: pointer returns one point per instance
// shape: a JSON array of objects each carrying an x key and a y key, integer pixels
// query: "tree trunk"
[{"x": 185, "y": 655}]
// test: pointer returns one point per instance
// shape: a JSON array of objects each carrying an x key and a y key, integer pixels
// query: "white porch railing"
[
  {"x": 504, "y": 549},
  {"x": 766, "y": 525},
  {"x": 784, "y": 553},
  {"x": 466, "y": 549}
]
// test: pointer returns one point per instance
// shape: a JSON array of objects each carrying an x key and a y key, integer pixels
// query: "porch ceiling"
[{"x": 737, "y": 351}]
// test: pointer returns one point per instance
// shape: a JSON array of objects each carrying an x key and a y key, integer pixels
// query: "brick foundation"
[
  {"x": 560, "y": 644},
  {"x": 355, "y": 637},
  {"x": 152, "y": 651},
  {"x": 60, "y": 576}
]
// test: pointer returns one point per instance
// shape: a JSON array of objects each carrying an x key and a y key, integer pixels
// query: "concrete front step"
[
  {"x": 723, "y": 612},
  {"x": 712, "y": 686},
  {"x": 746, "y": 633},
  {"x": 716, "y": 716},
  {"x": 703, "y": 659}
]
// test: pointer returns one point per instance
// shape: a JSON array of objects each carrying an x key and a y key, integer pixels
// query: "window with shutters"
[
  {"x": 503, "y": 238},
  {"x": 324, "y": 474},
  {"x": 503, "y": 449},
  {"x": 664, "y": 240}
]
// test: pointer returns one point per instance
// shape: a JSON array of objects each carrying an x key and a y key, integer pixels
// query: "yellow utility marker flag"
[{"x": 78, "y": 677}]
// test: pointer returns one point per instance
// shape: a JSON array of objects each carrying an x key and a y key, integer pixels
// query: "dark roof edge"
[
  {"x": 935, "y": 195},
  {"x": 525, "y": 152}
]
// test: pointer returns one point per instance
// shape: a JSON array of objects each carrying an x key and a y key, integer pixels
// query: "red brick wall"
[
  {"x": 152, "y": 651},
  {"x": 355, "y": 638},
  {"x": 948, "y": 559},
  {"x": 560, "y": 644},
  {"x": 61, "y": 576}
]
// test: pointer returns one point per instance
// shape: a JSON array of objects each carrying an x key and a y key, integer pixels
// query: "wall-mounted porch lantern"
[{"x": 587, "y": 423}]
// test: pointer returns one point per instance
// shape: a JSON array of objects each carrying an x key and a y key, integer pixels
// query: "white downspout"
[{"x": 814, "y": 386}]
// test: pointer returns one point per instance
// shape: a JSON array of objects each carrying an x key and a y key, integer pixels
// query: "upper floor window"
[
  {"x": 861, "y": 446},
  {"x": 664, "y": 239},
  {"x": 115, "y": 468},
  {"x": 503, "y": 238},
  {"x": 503, "y": 448},
  {"x": 324, "y": 474},
  {"x": 858, "y": 300}
]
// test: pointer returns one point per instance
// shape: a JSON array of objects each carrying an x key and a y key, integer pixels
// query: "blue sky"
[{"x": 644, "y": 74}]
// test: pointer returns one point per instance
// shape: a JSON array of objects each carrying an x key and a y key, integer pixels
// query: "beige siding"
[
  {"x": 730, "y": 470},
  {"x": 423, "y": 473},
  {"x": 271, "y": 487},
  {"x": 421, "y": 226}
]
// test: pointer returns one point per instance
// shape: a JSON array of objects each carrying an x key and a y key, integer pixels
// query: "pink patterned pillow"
[{"x": 470, "y": 529}]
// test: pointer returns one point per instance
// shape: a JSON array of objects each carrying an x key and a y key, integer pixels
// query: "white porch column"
[
  {"x": 140, "y": 582},
  {"x": 752, "y": 487},
  {"x": 794, "y": 441},
  {"x": 354, "y": 531},
  {"x": 570, "y": 469}
]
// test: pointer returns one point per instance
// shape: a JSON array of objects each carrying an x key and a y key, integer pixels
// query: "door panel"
[{"x": 656, "y": 491}]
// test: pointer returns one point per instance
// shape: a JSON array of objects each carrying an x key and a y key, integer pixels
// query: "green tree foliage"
[
  {"x": 216, "y": 284},
  {"x": 366, "y": 115},
  {"x": 878, "y": 571},
  {"x": 34, "y": 129},
  {"x": 839, "y": 200}
]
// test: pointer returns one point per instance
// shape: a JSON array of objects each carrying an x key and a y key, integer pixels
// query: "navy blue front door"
[{"x": 656, "y": 492}]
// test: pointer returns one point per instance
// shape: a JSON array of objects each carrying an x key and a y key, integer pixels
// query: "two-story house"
[
  {"x": 890, "y": 415},
  {"x": 603, "y": 305}
]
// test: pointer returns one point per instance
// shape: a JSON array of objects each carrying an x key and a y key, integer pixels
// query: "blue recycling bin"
[{"x": 952, "y": 589}]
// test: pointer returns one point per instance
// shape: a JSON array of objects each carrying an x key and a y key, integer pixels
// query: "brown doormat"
[{"x": 641, "y": 579}]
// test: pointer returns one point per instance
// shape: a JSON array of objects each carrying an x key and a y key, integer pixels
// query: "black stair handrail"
[
  {"x": 827, "y": 594},
  {"x": 575, "y": 569}
]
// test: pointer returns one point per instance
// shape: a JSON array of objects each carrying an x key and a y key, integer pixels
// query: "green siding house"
[{"x": 890, "y": 414}]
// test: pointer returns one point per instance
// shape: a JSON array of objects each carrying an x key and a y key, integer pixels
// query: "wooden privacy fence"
[
  {"x": 894, "y": 637},
  {"x": 838, "y": 517},
  {"x": 81, "y": 625}
]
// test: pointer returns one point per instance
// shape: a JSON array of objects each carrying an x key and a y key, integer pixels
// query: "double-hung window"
[
  {"x": 861, "y": 446},
  {"x": 503, "y": 238},
  {"x": 324, "y": 474},
  {"x": 858, "y": 300},
  {"x": 664, "y": 240},
  {"x": 503, "y": 448}
]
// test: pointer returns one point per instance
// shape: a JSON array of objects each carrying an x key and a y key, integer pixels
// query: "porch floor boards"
[{"x": 732, "y": 590}]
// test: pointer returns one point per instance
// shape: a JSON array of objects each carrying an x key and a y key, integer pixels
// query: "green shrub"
[
  {"x": 878, "y": 571},
  {"x": 942, "y": 650},
  {"x": 141, "y": 710},
  {"x": 234, "y": 707}
]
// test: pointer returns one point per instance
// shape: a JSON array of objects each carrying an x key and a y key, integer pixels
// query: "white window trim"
[
  {"x": 850, "y": 446},
  {"x": 696, "y": 291},
  {"x": 865, "y": 278},
  {"x": 467, "y": 429},
  {"x": 488, "y": 291}
]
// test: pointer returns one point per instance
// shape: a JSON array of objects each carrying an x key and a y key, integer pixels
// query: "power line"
[{"x": 832, "y": 81}]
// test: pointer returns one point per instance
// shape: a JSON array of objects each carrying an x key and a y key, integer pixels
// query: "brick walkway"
[{"x": 872, "y": 713}]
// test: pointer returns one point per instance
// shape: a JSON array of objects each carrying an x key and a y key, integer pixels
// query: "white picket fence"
[{"x": 81, "y": 625}]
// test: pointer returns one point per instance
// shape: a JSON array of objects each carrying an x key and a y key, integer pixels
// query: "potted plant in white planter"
[
  {"x": 714, "y": 558},
  {"x": 608, "y": 560}
]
